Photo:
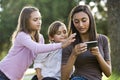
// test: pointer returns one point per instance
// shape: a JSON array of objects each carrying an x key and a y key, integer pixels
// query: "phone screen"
[{"x": 91, "y": 44}]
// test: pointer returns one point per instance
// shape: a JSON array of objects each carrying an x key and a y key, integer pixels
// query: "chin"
[{"x": 83, "y": 31}]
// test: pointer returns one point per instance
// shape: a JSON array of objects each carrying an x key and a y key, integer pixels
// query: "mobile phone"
[{"x": 91, "y": 44}]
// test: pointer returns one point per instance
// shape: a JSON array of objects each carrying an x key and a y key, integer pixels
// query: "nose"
[
  {"x": 40, "y": 21},
  {"x": 63, "y": 34},
  {"x": 81, "y": 23}
]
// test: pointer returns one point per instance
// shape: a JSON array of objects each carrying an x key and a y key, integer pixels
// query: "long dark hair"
[
  {"x": 23, "y": 22},
  {"x": 92, "y": 27}
]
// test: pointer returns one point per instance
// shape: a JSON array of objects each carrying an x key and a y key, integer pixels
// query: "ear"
[{"x": 51, "y": 38}]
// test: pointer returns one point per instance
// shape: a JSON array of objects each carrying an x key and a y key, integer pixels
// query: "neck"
[
  {"x": 84, "y": 37},
  {"x": 32, "y": 34}
]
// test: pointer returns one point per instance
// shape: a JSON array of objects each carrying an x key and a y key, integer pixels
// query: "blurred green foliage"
[{"x": 51, "y": 10}]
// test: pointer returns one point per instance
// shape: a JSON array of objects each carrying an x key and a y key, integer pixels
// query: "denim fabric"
[
  {"x": 2, "y": 76},
  {"x": 49, "y": 78},
  {"x": 78, "y": 78},
  {"x": 46, "y": 78}
]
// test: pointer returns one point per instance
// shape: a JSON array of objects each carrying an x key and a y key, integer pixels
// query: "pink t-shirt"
[{"x": 22, "y": 54}]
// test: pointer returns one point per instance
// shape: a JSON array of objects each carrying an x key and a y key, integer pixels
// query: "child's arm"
[
  {"x": 38, "y": 73},
  {"x": 38, "y": 64}
]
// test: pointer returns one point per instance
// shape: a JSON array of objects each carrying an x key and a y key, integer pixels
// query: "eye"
[
  {"x": 76, "y": 21},
  {"x": 35, "y": 19},
  {"x": 58, "y": 33},
  {"x": 64, "y": 32},
  {"x": 84, "y": 19}
]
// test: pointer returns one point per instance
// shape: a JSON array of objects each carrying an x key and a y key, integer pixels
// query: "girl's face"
[
  {"x": 81, "y": 22},
  {"x": 35, "y": 21},
  {"x": 61, "y": 34}
]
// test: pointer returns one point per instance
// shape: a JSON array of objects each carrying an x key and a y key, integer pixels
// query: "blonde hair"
[{"x": 53, "y": 28}]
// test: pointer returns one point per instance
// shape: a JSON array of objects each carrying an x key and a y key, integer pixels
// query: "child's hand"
[
  {"x": 69, "y": 40},
  {"x": 40, "y": 78}
]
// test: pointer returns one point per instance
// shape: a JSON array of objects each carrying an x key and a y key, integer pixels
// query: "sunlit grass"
[
  {"x": 114, "y": 76},
  {"x": 31, "y": 72},
  {"x": 104, "y": 77}
]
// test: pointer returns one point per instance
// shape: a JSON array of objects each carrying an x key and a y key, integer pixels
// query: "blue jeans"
[
  {"x": 46, "y": 78},
  {"x": 78, "y": 78},
  {"x": 3, "y": 77}
]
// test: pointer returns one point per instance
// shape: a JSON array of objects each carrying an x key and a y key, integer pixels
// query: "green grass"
[
  {"x": 30, "y": 73},
  {"x": 104, "y": 78},
  {"x": 28, "y": 77},
  {"x": 114, "y": 76}
]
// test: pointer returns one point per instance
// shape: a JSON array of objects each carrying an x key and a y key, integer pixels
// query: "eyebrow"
[{"x": 78, "y": 19}]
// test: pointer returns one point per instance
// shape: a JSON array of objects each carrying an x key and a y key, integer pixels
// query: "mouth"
[{"x": 81, "y": 29}]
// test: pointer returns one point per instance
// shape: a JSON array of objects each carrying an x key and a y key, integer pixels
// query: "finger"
[
  {"x": 82, "y": 45},
  {"x": 72, "y": 35},
  {"x": 71, "y": 38}
]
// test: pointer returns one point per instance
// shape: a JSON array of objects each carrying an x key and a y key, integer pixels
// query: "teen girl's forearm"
[
  {"x": 68, "y": 67},
  {"x": 105, "y": 65}
]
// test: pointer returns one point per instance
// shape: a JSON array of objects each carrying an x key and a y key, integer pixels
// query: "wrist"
[
  {"x": 98, "y": 55},
  {"x": 62, "y": 45},
  {"x": 74, "y": 53}
]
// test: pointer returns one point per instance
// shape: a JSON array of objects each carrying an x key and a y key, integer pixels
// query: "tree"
[
  {"x": 8, "y": 21},
  {"x": 51, "y": 10},
  {"x": 114, "y": 32}
]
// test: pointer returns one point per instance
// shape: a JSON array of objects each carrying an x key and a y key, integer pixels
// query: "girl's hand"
[
  {"x": 69, "y": 40},
  {"x": 95, "y": 51},
  {"x": 80, "y": 48}
]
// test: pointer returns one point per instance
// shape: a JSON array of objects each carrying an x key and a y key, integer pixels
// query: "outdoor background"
[{"x": 106, "y": 13}]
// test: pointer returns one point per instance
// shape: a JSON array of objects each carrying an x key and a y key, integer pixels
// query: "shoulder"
[
  {"x": 22, "y": 36},
  {"x": 68, "y": 48},
  {"x": 40, "y": 35},
  {"x": 67, "y": 51},
  {"x": 102, "y": 36},
  {"x": 103, "y": 39},
  {"x": 41, "y": 38},
  {"x": 66, "y": 54}
]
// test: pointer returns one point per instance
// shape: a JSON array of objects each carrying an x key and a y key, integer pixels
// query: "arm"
[
  {"x": 68, "y": 67},
  {"x": 38, "y": 64},
  {"x": 105, "y": 63},
  {"x": 25, "y": 40},
  {"x": 38, "y": 73}
]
